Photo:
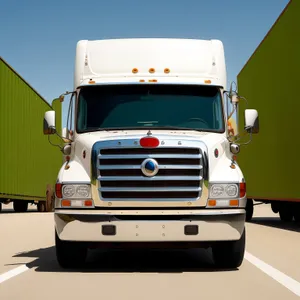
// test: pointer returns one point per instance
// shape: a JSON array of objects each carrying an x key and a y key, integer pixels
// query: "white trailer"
[{"x": 150, "y": 161}]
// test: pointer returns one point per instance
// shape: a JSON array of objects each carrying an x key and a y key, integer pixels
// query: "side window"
[
  {"x": 82, "y": 113},
  {"x": 71, "y": 114}
]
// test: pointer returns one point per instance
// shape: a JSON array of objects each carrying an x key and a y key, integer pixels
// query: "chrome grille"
[{"x": 179, "y": 177}]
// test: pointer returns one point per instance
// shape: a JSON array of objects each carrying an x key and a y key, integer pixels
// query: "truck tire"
[
  {"x": 286, "y": 212},
  {"x": 41, "y": 206},
  {"x": 20, "y": 205},
  {"x": 230, "y": 254},
  {"x": 0, "y": 206},
  {"x": 70, "y": 254},
  {"x": 275, "y": 207},
  {"x": 297, "y": 212},
  {"x": 249, "y": 210},
  {"x": 49, "y": 199}
]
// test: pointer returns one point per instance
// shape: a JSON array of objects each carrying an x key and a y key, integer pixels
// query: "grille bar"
[
  {"x": 160, "y": 150},
  {"x": 130, "y": 167},
  {"x": 151, "y": 195},
  {"x": 156, "y": 178},
  {"x": 150, "y": 183},
  {"x": 161, "y": 173},
  {"x": 142, "y": 199},
  {"x": 150, "y": 189},
  {"x": 144, "y": 156}
]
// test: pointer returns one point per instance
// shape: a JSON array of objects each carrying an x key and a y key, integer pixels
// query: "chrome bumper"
[{"x": 204, "y": 225}]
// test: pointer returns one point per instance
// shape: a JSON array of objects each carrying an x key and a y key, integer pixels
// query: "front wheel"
[
  {"x": 230, "y": 254},
  {"x": 249, "y": 210},
  {"x": 70, "y": 254}
]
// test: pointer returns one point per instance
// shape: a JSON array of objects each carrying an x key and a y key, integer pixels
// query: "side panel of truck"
[
  {"x": 270, "y": 83},
  {"x": 27, "y": 162}
]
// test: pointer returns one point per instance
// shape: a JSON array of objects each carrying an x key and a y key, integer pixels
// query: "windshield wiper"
[
  {"x": 148, "y": 128},
  {"x": 171, "y": 128}
]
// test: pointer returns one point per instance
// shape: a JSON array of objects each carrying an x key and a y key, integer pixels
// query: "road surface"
[{"x": 28, "y": 267}]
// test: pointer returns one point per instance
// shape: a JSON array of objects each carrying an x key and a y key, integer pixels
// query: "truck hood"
[
  {"x": 88, "y": 139},
  {"x": 218, "y": 166}
]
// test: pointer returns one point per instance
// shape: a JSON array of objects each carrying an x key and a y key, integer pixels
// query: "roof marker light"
[
  {"x": 167, "y": 70},
  {"x": 149, "y": 142},
  {"x": 152, "y": 80},
  {"x": 135, "y": 70},
  {"x": 207, "y": 81},
  {"x": 151, "y": 70}
]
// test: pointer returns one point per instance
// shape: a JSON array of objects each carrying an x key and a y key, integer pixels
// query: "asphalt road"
[{"x": 28, "y": 267}]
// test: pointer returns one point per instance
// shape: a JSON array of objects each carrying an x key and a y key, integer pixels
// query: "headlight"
[
  {"x": 83, "y": 191},
  {"x": 224, "y": 190},
  {"x": 68, "y": 191},
  {"x": 217, "y": 190},
  {"x": 76, "y": 191},
  {"x": 232, "y": 190}
]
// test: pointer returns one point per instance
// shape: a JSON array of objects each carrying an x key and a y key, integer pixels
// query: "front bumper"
[{"x": 150, "y": 226}]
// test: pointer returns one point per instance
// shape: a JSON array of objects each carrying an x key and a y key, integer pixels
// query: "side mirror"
[
  {"x": 251, "y": 120},
  {"x": 49, "y": 122}
]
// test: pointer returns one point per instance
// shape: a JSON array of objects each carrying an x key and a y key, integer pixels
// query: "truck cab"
[{"x": 149, "y": 155}]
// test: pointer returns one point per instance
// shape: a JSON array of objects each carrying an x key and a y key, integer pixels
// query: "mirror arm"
[
  {"x": 56, "y": 145},
  {"x": 250, "y": 140},
  {"x": 64, "y": 139},
  {"x": 241, "y": 136}
]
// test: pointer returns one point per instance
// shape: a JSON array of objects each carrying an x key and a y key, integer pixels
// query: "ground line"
[
  {"x": 283, "y": 279},
  {"x": 12, "y": 273}
]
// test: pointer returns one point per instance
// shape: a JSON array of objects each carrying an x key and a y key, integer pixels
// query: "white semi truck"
[{"x": 149, "y": 158}]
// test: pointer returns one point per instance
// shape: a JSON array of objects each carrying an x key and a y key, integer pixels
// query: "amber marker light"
[
  {"x": 66, "y": 203},
  {"x": 234, "y": 202},
  {"x": 212, "y": 202},
  {"x": 88, "y": 203}
]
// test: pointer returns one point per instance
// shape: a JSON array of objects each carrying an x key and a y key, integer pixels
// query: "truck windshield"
[{"x": 191, "y": 107}]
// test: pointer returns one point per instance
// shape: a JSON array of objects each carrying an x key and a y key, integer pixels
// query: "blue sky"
[{"x": 38, "y": 38}]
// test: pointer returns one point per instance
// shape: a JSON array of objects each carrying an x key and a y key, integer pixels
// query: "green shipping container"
[
  {"x": 269, "y": 81},
  {"x": 28, "y": 163}
]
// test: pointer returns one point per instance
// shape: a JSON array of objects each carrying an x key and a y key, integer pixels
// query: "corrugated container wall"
[
  {"x": 270, "y": 82},
  {"x": 27, "y": 161}
]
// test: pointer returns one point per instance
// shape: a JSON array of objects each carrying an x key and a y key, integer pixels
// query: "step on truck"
[{"x": 149, "y": 155}]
